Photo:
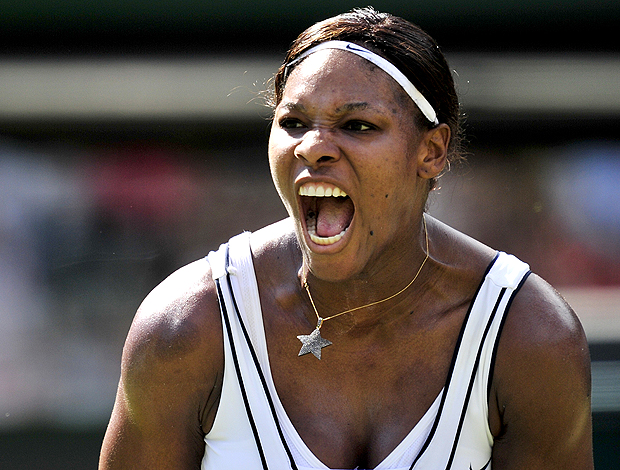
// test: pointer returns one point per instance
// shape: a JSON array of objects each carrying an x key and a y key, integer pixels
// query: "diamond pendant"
[{"x": 314, "y": 342}]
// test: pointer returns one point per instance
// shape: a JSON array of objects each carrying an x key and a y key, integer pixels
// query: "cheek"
[
  {"x": 391, "y": 185},
  {"x": 391, "y": 173},
  {"x": 280, "y": 167},
  {"x": 277, "y": 164}
]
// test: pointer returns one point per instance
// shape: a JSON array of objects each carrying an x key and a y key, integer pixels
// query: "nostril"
[{"x": 324, "y": 159}]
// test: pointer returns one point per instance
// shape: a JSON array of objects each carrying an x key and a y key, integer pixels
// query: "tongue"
[{"x": 334, "y": 215}]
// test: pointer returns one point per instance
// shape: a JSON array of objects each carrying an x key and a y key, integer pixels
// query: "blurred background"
[{"x": 133, "y": 140}]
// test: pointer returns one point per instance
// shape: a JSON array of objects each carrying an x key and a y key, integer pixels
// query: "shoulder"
[
  {"x": 174, "y": 349},
  {"x": 177, "y": 317},
  {"x": 276, "y": 254},
  {"x": 539, "y": 406},
  {"x": 274, "y": 239},
  {"x": 171, "y": 376},
  {"x": 543, "y": 344},
  {"x": 539, "y": 396},
  {"x": 542, "y": 325}
]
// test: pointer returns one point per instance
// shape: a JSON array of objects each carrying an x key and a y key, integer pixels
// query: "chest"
[{"x": 368, "y": 391}]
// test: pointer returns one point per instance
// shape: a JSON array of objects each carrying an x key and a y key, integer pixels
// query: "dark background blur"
[{"x": 133, "y": 140}]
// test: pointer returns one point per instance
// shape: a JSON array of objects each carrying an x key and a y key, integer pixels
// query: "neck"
[{"x": 378, "y": 290}]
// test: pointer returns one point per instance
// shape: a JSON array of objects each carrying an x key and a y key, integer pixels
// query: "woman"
[{"x": 359, "y": 333}]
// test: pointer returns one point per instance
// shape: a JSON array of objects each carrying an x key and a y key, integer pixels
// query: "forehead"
[{"x": 340, "y": 74}]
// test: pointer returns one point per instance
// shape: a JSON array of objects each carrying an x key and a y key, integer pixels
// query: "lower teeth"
[{"x": 323, "y": 240}]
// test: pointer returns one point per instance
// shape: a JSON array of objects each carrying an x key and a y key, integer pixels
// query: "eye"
[
  {"x": 290, "y": 123},
  {"x": 358, "y": 126}
]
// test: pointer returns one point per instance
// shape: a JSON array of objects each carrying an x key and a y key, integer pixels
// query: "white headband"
[{"x": 383, "y": 64}]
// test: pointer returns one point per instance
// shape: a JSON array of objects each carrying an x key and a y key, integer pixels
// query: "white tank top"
[{"x": 252, "y": 430}]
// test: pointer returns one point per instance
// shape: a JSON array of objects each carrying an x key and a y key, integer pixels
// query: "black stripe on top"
[
  {"x": 452, "y": 364},
  {"x": 239, "y": 377},
  {"x": 260, "y": 372},
  {"x": 499, "y": 333},
  {"x": 473, "y": 377}
]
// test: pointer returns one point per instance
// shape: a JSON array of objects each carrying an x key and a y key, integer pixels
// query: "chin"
[{"x": 331, "y": 267}]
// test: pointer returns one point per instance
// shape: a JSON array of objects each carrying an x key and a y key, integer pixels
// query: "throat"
[{"x": 330, "y": 216}]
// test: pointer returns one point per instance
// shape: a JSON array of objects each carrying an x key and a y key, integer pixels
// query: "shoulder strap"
[
  {"x": 258, "y": 404},
  {"x": 218, "y": 261},
  {"x": 466, "y": 385},
  {"x": 219, "y": 265}
]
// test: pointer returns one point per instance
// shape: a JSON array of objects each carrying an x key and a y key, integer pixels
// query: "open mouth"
[{"x": 328, "y": 211}]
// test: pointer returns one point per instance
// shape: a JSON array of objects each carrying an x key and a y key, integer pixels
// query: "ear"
[{"x": 433, "y": 151}]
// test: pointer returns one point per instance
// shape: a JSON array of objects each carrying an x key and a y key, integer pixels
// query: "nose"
[{"x": 317, "y": 147}]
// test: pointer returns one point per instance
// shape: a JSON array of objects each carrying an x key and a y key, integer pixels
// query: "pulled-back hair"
[{"x": 405, "y": 45}]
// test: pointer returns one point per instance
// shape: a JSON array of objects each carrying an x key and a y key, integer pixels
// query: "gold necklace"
[{"x": 314, "y": 342}]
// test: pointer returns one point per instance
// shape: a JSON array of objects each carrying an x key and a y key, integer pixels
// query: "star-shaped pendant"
[{"x": 313, "y": 343}]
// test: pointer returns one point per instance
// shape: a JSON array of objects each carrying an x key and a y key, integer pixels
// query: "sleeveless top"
[{"x": 252, "y": 430}]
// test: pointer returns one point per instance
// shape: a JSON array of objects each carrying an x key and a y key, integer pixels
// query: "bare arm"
[
  {"x": 540, "y": 399},
  {"x": 170, "y": 377}
]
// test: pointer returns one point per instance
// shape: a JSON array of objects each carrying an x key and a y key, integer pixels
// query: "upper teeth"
[{"x": 321, "y": 190}]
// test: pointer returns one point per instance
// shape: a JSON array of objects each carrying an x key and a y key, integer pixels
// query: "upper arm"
[
  {"x": 170, "y": 377},
  {"x": 541, "y": 386}
]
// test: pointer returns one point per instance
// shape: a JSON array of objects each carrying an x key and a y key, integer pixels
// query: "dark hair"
[{"x": 404, "y": 44}]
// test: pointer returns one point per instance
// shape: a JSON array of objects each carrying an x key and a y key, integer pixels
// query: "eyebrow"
[
  {"x": 292, "y": 106},
  {"x": 350, "y": 107},
  {"x": 345, "y": 108}
]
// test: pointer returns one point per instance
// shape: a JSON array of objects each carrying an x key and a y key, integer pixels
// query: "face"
[{"x": 344, "y": 153}]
